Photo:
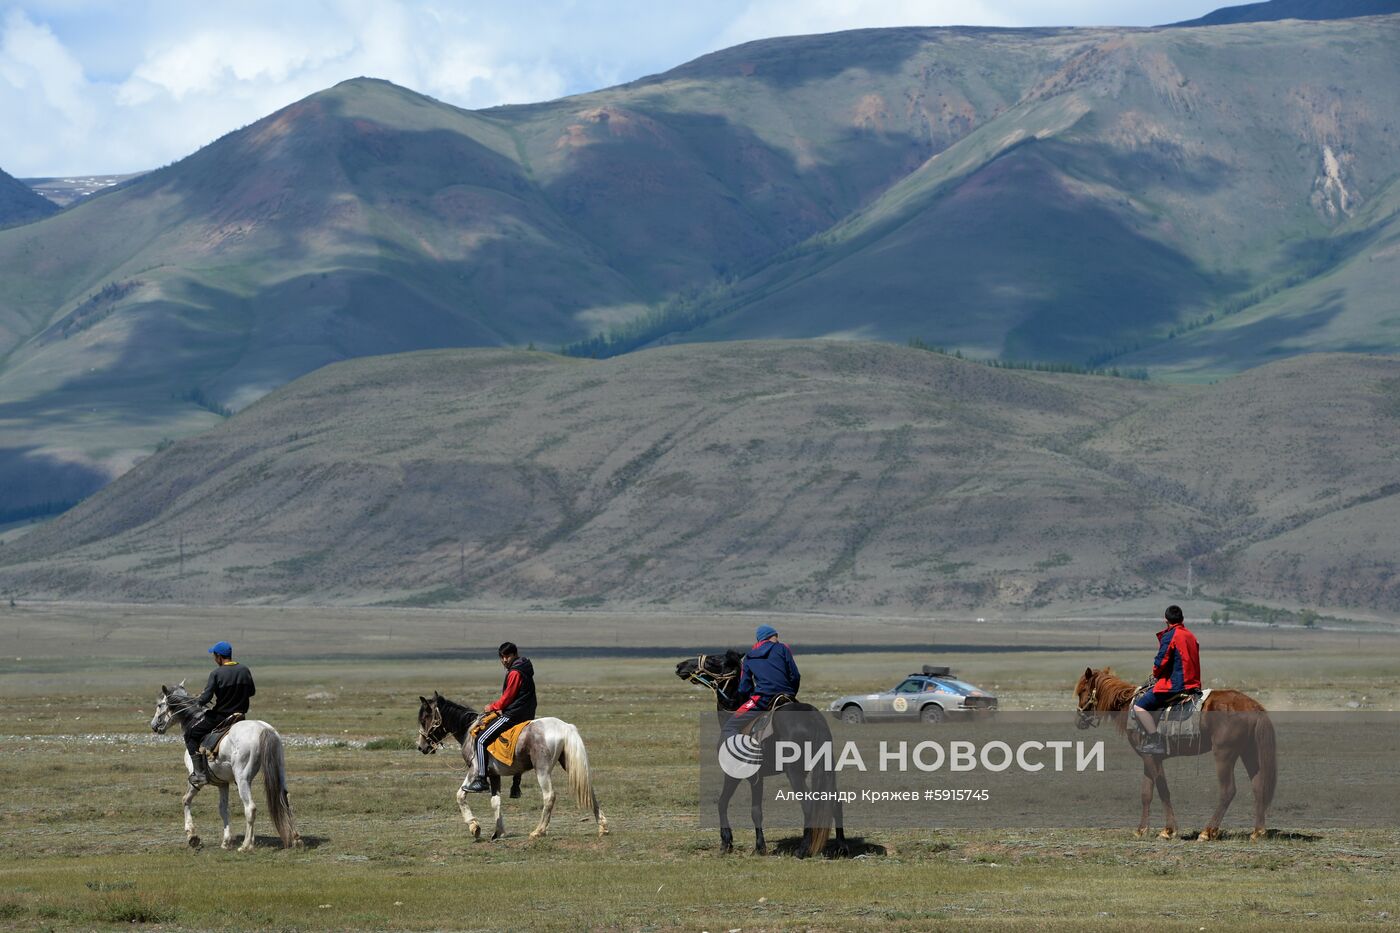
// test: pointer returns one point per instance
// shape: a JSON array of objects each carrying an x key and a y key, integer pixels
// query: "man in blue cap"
[
  {"x": 230, "y": 686},
  {"x": 768, "y": 673}
]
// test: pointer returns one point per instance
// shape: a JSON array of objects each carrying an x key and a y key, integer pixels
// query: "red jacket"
[{"x": 1178, "y": 663}]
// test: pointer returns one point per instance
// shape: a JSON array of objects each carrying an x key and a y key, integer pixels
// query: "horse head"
[
  {"x": 1086, "y": 696},
  {"x": 165, "y": 710},
  {"x": 719, "y": 672},
  {"x": 431, "y": 729}
]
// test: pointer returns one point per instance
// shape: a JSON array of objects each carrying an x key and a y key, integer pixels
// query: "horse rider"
[
  {"x": 230, "y": 686},
  {"x": 768, "y": 672},
  {"x": 515, "y": 705},
  {"x": 1177, "y": 669}
]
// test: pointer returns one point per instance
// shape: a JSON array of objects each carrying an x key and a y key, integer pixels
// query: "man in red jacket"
[
  {"x": 1177, "y": 668},
  {"x": 515, "y": 705}
]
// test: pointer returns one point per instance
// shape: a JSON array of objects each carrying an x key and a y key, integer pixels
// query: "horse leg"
[
  {"x": 223, "y": 815},
  {"x": 1256, "y": 781},
  {"x": 499, "y": 827},
  {"x": 250, "y": 810},
  {"x": 726, "y": 832},
  {"x": 799, "y": 786},
  {"x": 842, "y": 850},
  {"x": 546, "y": 792},
  {"x": 760, "y": 845},
  {"x": 1169, "y": 812},
  {"x": 462, "y": 797},
  {"x": 1225, "y": 775},
  {"x": 1148, "y": 780},
  {"x": 191, "y": 837}
]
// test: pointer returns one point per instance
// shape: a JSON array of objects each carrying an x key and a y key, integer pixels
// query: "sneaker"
[
  {"x": 477, "y": 786},
  {"x": 1153, "y": 744}
]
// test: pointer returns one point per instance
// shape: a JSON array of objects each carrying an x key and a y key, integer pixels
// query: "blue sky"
[{"x": 108, "y": 87}]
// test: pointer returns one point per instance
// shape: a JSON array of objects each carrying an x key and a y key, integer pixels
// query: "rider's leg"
[
  {"x": 199, "y": 769},
  {"x": 478, "y": 784}
]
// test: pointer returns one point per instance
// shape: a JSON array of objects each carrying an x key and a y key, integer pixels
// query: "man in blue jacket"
[{"x": 768, "y": 673}]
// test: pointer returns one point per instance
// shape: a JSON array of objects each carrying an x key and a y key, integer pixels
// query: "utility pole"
[
  {"x": 1189, "y": 581},
  {"x": 182, "y": 554},
  {"x": 461, "y": 564}
]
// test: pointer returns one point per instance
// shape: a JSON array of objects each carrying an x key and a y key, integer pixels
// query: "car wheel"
[
  {"x": 852, "y": 714},
  {"x": 932, "y": 713}
]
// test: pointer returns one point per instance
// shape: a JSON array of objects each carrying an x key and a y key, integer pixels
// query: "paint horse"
[
  {"x": 542, "y": 744},
  {"x": 1234, "y": 726}
]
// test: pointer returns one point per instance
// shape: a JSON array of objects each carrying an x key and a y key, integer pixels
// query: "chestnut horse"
[{"x": 1244, "y": 732}]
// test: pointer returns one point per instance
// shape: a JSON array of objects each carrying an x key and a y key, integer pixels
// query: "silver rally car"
[{"x": 931, "y": 695}]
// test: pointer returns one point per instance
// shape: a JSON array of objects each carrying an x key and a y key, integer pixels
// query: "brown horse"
[{"x": 1244, "y": 733}]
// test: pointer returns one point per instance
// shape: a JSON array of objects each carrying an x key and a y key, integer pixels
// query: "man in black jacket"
[
  {"x": 516, "y": 704},
  {"x": 230, "y": 686}
]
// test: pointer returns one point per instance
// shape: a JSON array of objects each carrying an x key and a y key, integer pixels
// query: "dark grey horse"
[{"x": 795, "y": 722}]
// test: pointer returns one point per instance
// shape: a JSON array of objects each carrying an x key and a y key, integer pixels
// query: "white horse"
[
  {"x": 543, "y": 744},
  {"x": 250, "y": 746}
]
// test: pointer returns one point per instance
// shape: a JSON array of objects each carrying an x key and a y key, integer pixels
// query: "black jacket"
[
  {"x": 231, "y": 687},
  {"x": 518, "y": 692}
]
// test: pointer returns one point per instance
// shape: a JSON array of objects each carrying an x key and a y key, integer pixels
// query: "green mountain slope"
[
  {"x": 1080, "y": 195},
  {"x": 19, "y": 204},
  {"x": 826, "y": 475},
  {"x": 1155, "y": 179},
  {"x": 1294, "y": 9}
]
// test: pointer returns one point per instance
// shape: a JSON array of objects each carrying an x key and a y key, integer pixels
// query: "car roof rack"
[{"x": 935, "y": 670}]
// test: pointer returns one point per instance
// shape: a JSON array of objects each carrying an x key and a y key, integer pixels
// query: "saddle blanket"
[
  {"x": 1179, "y": 723},
  {"x": 504, "y": 746}
]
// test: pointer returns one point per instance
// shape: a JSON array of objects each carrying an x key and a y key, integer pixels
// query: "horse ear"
[
  {"x": 164, "y": 690},
  {"x": 436, "y": 695},
  {"x": 180, "y": 684},
  {"x": 1088, "y": 673},
  {"x": 422, "y": 699}
]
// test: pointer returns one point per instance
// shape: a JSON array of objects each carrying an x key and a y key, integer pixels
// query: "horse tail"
[
  {"x": 580, "y": 778},
  {"x": 1265, "y": 747},
  {"x": 274, "y": 771},
  {"x": 823, "y": 811}
]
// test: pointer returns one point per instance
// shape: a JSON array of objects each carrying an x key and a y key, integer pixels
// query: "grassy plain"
[{"x": 91, "y": 826}]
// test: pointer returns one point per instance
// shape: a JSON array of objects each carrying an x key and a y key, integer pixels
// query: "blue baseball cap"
[
  {"x": 223, "y": 648},
  {"x": 764, "y": 631}
]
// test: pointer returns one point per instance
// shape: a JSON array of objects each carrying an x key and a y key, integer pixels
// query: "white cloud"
[{"x": 94, "y": 87}]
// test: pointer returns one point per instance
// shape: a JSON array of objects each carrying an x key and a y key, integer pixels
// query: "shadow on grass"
[
  {"x": 856, "y": 847},
  {"x": 1273, "y": 835}
]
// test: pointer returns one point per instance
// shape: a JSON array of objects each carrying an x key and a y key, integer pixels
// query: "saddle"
[
  {"x": 210, "y": 743},
  {"x": 1180, "y": 722},
  {"x": 761, "y": 726},
  {"x": 505, "y": 744}
]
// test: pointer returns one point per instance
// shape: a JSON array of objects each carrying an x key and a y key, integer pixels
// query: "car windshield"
[{"x": 909, "y": 686}]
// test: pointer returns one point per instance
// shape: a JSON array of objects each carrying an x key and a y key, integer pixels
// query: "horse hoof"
[
  {"x": 760, "y": 850},
  {"x": 1257, "y": 835},
  {"x": 843, "y": 850},
  {"x": 226, "y": 846},
  {"x": 1140, "y": 832},
  {"x": 194, "y": 842},
  {"x": 1208, "y": 835},
  {"x": 1167, "y": 834},
  {"x": 537, "y": 834}
]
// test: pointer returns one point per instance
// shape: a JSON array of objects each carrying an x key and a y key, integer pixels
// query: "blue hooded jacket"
[{"x": 769, "y": 670}]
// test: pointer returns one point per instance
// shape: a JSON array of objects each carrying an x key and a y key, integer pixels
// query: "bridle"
[
  {"x": 719, "y": 683},
  {"x": 1089, "y": 715},
  {"x": 426, "y": 735}
]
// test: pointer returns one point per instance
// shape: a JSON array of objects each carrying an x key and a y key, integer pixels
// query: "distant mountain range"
[
  {"x": 20, "y": 204},
  {"x": 1295, "y": 9},
  {"x": 1193, "y": 201},
  {"x": 815, "y": 475}
]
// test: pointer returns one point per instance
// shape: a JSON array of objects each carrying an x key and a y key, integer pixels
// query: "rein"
[
  {"x": 426, "y": 735},
  {"x": 716, "y": 682},
  {"x": 1088, "y": 713}
]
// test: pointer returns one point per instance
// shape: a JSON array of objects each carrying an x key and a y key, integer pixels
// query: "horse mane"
[
  {"x": 455, "y": 716},
  {"x": 1115, "y": 694},
  {"x": 184, "y": 706}
]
